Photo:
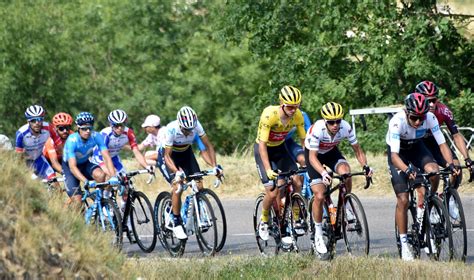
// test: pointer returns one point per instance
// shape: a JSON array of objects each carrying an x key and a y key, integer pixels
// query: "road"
[{"x": 241, "y": 238}]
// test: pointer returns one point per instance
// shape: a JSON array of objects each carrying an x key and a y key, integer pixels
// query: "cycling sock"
[
  {"x": 264, "y": 217},
  {"x": 403, "y": 239},
  {"x": 177, "y": 219},
  {"x": 319, "y": 229}
]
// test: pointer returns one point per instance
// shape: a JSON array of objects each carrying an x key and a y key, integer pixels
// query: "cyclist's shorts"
[
  {"x": 279, "y": 157},
  {"x": 294, "y": 148},
  {"x": 432, "y": 145},
  {"x": 330, "y": 159},
  {"x": 41, "y": 167},
  {"x": 71, "y": 182},
  {"x": 418, "y": 155},
  {"x": 184, "y": 160}
]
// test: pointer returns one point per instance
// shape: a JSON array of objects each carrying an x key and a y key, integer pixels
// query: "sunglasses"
[
  {"x": 292, "y": 107},
  {"x": 85, "y": 128},
  {"x": 36, "y": 120},
  {"x": 415, "y": 118},
  {"x": 334, "y": 122},
  {"x": 118, "y": 125},
  {"x": 64, "y": 128},
  {"x": 432, "y": 100}
]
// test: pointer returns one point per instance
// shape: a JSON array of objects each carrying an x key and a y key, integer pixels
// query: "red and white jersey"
[
  {"x": 401, "y": 133},
  {"x": 32, "y": 145},
  {"x": 319, "y": 139},
  {"x": 115, "y": 143}
]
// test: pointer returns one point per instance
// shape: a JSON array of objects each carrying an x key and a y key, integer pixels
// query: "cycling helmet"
[
  {"x": 34, "y": 111},
  {"x": 427, "y": 88},
  {"x": 416, "y": 103},
  {"x": 290, "y": 95},
  {"x": 84, "y": 118},
  {"x": 62, "y": 119},
  {"x": 332, "y": 111},
  {"x": 187, "y": 118},
  {"x": 117, "y": 117}
]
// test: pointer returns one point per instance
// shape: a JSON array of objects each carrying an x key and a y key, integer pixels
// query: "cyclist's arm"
[
  {"x": 54, "y": 162},
  {"x": 433, "y": 125},
  {"x": 461, "y": 145},
  {"x": 75, "y": 171},
  {"x": 169, "y": 161},
  {"x": 446, "y": 152},
  {"x": 360, "y": 155},
  {"x": 110, "y": 170},
  {"x": 398, "y": 162},
  {"x": 210, "y": 149},
  {"x": 315, "y": 163},
  {"x": 139, "y": 157}
]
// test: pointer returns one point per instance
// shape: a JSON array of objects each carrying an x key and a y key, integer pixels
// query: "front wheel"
[
  {"x": 220, "y": 220},
  {"x": 205, "y": 226},
  {"x": 109, "y": 220},
  {"x": 458, "y": 224},
  {"x": 440, "y": 235},
  {"x": 271, "y": 246},
  {"x": 143, "y": 223},
  {"x": 354, "y": 226}
]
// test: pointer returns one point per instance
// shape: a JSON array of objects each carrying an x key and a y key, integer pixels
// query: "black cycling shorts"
[
  {"x": 331, "y": 159},
  {"x": 418, "y": 155},
  {"x": 279, "y": 157},
  {"x": 432, "y": 145},
  {"x": 184, "y": 160}
]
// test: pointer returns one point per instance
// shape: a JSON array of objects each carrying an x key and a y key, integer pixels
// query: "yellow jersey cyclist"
[
  {"x": 270, "y": 150},
  {"x": 407, "y": 154},
  {"x": 321, "y": 149},
  {"x": 176, "y": 159}
]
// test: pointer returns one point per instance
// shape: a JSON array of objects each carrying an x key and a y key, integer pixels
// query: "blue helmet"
[{"x": 84, "y": 117}]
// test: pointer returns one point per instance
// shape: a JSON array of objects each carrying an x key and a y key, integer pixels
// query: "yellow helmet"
[
  {"x": 290, "y": 95},
  {"x": 332, "y": 111}
]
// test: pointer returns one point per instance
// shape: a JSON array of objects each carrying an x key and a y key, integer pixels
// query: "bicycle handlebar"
[
  {"x": 343, "y": 177},
  {"x": 198, "y": 175}
]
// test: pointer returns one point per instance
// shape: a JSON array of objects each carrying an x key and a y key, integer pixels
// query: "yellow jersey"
[{"x": 272, "y": 131}]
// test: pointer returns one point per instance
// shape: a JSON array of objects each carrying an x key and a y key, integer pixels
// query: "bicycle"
[
  {"x": 197, "y": 214},
  {"x": 51, "y": 184},
  {"x": 348, "y": 222},
  {"x": 103, "y": 213},
  {"x": 140, "y": 212},
  {"x": 431, "y": 230},
  {"x": 288, "y": 217},
  {"x": 452, "y": 202}
]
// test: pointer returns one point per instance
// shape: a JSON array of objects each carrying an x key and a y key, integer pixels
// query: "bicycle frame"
[{"x": 97, "y": 205}]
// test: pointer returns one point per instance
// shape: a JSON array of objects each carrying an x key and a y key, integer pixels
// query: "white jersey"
[
  {"x": 319, "y": 139},
  {"x": 401, "y": 133},
  {"x": 177, "y": 140},
  {"x": 155, "y": 141}
]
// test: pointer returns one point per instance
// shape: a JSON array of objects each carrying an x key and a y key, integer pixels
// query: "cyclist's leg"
[
  {"x": 421, "y": 157},
  {"x": 338, "y": 163},
  {"x": 72, "y": 184}
]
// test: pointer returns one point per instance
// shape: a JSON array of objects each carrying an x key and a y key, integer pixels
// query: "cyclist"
[
  {"x": 444, "y": 116},
  {"x": 176, "y": 159},
  {"x": 321, "y": 148},
  {"x": 30, "y": 140},
  {"x": 76, "y": 164},
  {"x": 5, "y": 143},
  {"x": 155, "y": 136},
  {"x": 407, "y": 154},
  {"x": 270, "y": 151},
  {"x": 53, "y": 151}
]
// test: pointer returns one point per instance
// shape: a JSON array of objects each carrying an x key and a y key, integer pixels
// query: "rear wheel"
[
  {"x": 143, "y": 223},
  {"x": 300, "y": 222},
  {"x": 328, "y": 231},
  {"x": 220, "y": 221},
  {"x": 440, "y": 234},
  {"x": 354, "y": 226},
  {"x": 205, "y": 226},
  {"x": 458, "y": 224},
  {"x": 271, "y": 246},
  {"x": 169, "y": 241}
]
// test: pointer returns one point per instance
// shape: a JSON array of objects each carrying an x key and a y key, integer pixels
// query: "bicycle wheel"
[
  {"x": 300, "y": 222},
  {"x": 109, "y": 220},
  {"x": 412, "y": 233},
  {"x": 220, "y": 222},
  {"x": 354, "y": 226},
  {"x": 143, "y": 223},
  {"x": 271, "y": 246},
  {"x": 163, "y": 220},
  {"x": 452, "y": 202},
  {"x": 328, "y": 232},
  {"x": 441, "y": 238},
  {"x": 204, "y": 225}
]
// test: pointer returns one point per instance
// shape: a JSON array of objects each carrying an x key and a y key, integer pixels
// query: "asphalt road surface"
[{"x": 241, "y": 238}]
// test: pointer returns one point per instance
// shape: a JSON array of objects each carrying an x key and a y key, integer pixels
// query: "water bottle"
[
  {"x": 332, "y": 213},
  {"x": 184, "y": 209},
  {"x": 420, "y": 212},
  {"x": 453, "y": 209}
]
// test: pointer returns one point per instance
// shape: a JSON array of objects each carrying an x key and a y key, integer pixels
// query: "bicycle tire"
[
  {"x": 440, "y": 230},
  {"x": 458, "y": 224},
  {"x": 143, "y": 223},
  {"x": 219, "y": 213},
  {"x": 300, "y": 222},
  {"x": 270, "y": 247},
  {"x": 204, "y": 226},
  {"x": 112, "y": 221},
  {"x": 412, "y": 233},
  {"x": 354, "y": 228},
  {"x": 173, "y": 245},
  {"x": 328, "y": 232}
]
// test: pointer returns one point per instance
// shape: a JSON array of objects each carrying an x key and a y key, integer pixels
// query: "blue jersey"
[
  {"x": 307, "y": 124},
  {"x": 76, "y": 147}
]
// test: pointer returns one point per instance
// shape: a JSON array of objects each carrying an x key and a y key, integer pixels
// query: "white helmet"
[
  {"x": 117, "y": 117},
  {"x": 187, "y": 118},
  {"x": 5, "y": 143},
  {"x": 34, "y": 111}
]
